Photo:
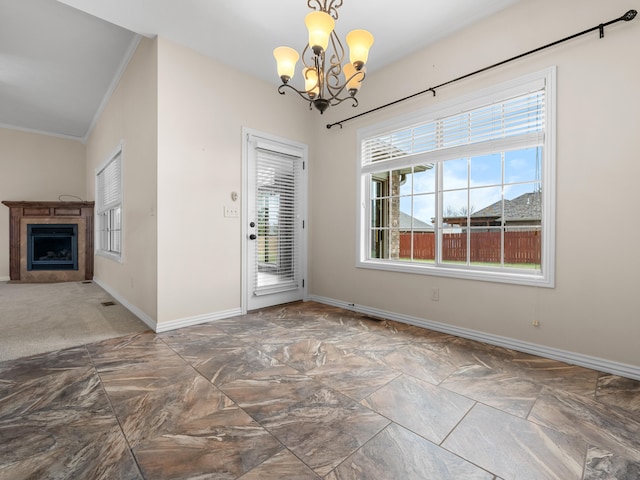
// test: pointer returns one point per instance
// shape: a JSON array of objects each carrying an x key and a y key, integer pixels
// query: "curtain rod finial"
[{"x": 630, "y": 15}]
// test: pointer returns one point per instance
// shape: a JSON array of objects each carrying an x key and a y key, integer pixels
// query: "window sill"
[
  {"x": 517, "y": 277},
  {"x": 111, "y": 256}
]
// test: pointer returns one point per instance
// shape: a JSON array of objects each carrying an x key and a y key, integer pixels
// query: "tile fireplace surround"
[{"x": 23, "y": 213}]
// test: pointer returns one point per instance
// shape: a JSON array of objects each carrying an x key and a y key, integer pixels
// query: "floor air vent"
[{"x": 107, "y": 304}]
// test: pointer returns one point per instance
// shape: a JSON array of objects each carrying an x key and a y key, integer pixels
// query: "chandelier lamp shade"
[{"x": 329, "y": 78}]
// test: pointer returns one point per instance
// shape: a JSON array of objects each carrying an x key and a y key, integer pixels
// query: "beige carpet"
[{"x": 41, "y": 317}]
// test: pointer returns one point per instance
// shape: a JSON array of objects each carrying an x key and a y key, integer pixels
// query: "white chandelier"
[{"x": 327, "y": 81}]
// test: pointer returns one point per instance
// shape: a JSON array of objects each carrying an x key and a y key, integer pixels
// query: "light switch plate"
[{"x": 231, "y": 212}]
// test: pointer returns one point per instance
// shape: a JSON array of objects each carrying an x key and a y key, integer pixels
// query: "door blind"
[{"x": 277, "y": 203}]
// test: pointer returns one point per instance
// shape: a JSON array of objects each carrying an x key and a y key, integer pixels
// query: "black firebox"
[{"x": 52, "y": 247}]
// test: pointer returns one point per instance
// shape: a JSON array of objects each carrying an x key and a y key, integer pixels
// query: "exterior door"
[{"x": 274, "y": 234}]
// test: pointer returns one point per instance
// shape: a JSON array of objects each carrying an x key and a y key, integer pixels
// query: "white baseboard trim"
[
  {"x": 5, "y": 279},
  {"x": 196, "y": 320},
  {"x": 595, "y": 363},
  {"x": 173, "y": 324},
  {"x": 150, "y": 322}
]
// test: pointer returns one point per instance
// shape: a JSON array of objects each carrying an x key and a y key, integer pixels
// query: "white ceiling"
[{"x": 60, "y": 59}]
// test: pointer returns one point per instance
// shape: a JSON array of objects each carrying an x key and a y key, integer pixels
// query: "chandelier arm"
[
  {"x": 338, "y": 50},
  {"x": 335, "y": 86},
  {"x": 333, "y": 78},
  {"x": 339, "y": 88},
  {"x": 332, "y": 74},
  {"x": 335, "y": 92},
  {"x": 338, "y": 101},
  {"x": 305, "y": 58},
  {"x": 319, "y": 61},
  {"x": 303, "y": 94},
  {"x": 312, "y": 7},
  {"x": 317, "y": 84},
  {"x": 333, "y": 7}
]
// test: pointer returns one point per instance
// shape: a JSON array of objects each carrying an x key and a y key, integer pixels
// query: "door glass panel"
[{"x": 276, "y": 258}]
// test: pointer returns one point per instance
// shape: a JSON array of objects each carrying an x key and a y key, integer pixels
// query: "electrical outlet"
[
  {"x": 435, "y": 294},
  {"x": 231, "y": 211},
  {"x": 535, "y": 322}
]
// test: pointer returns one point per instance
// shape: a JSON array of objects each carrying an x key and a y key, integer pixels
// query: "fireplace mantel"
[{"x": 30, "y": 212}]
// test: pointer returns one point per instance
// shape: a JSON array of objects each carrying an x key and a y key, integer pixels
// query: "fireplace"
[
  {"x": 50, "y": 241},
  {"x": 52, "y": 247}
]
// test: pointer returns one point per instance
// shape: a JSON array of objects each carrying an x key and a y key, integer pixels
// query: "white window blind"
[
  {"x": 110, "y": 184},
  {"x": 109, "y": 206},
  {"x": 520, "y": 117},
  {"x": 277, "y": 262}
]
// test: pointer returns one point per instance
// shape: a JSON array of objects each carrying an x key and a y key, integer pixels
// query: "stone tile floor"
[{"x": 309, "y": 391}]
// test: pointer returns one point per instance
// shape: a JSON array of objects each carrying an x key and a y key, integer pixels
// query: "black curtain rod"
[{"x": 630, "y": 15}]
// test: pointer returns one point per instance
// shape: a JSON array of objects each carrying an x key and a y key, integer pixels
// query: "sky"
[{"x": 473, "y": 183}]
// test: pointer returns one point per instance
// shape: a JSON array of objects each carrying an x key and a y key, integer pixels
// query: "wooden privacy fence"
[{"x": 519, "y": 246}]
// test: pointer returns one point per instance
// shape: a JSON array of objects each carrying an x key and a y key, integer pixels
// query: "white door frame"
[{"x": 283, "y": 144}]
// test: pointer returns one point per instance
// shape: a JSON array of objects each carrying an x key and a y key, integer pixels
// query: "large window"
[
  {"x": 466, "y": 190},
  {"x": 109, "y": 206}
]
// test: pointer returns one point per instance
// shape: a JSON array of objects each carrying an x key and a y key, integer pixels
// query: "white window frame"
[
  {"x": 545, "y": 277},
  {"x": 106, "y": 210}
]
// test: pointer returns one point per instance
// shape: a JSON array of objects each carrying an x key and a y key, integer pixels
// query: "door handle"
[{"x": 252, "y": 236}]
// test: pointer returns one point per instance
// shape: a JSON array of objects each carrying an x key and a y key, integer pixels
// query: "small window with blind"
[
  {"x": 109, "y": 207},
  {"x": 466, "y": 190}
]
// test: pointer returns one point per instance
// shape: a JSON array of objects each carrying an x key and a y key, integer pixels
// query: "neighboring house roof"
[
  {"x": 418, "y": 225},
  {"x": 525, "y": 208}
]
